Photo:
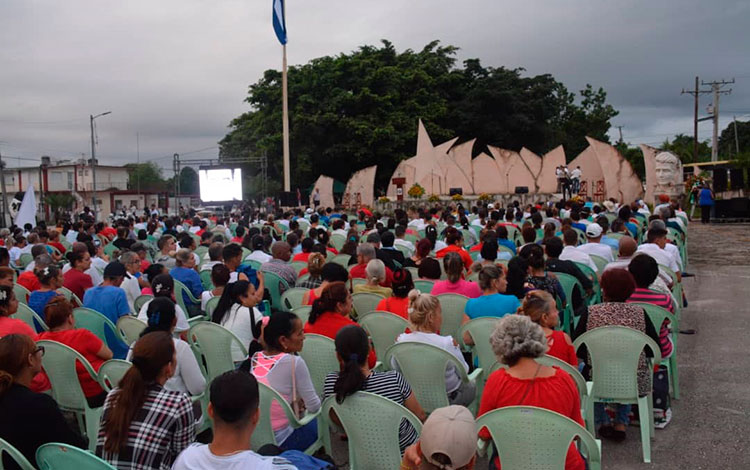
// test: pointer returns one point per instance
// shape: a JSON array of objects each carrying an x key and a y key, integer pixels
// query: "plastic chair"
[
  {"x": 24, "y": 260},
  {"x": 453, "y": 307},
  {"x": 337, "y": 241},
  {"x": 423, "y": 366},
  {"x": 319, "y": 354},
  {"x": 200, "y": 250},
  {"x": 263, "y": 433},
  {"x": 22, "y": 294},
  {"x": 212, "y": 346},
  {"x": 140, "y": 301},
  {"x": 588, "y": 272},
  {"x": 70, "y": 296},
  {"x": 179, "y": 290},
  {"x": 404, "y": 250},
  {"x": 59, "y": 362},
  {"x": 255, "y": 264},
  {"x": 111, "y": 372},
  {"x": 303, "y": 312},
  {"x": 206, "y": 281},
  {"x": 614, "y": 352},
  {"x": 130, "y": 328},
  {"x": 583, "y": 389},
  {"x": 365, "y": 302},
  {"x": 292, "y": 298},
  {"x": 15, "y": 455},
  {"x": 29, "y": 317},
  {"x": 298, "y": 266},
  {"x": 569, "y": 284},
  {"x": 211, "y": 306},
  {"x": 56, "y": 455},
  {"x": 342, "y": 259},
  {"x": 110, "y": 249},
  {"x": 424, "y": 286},
  {"x": 275, "y": 286},
  {"x": 480, "y": 330},
  {"x": 358, "y": 281},
  {"x": 371, "y": 423},
  {"x": 96, "y": 323},
  {"x": 657, "y": 315},
  {"x": 600, "y": 262},
  {"x": 527, "y": 437},
  {"x": 383, "y": 328}
]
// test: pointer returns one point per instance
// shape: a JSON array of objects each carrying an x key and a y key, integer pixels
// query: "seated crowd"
[{"x": 548, "y": 274}]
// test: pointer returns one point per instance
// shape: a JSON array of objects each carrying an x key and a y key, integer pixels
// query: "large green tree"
[
  {"x": 355, "y": 110},
  {"x": 146, "y": 176},
  {"x": 728, "y": 144}
]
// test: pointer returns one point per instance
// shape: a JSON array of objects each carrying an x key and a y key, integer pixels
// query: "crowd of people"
[{"x": 508, "y": 262}]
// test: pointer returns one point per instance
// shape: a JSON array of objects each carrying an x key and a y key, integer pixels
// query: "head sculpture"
[{"x": 667, "y": 174}]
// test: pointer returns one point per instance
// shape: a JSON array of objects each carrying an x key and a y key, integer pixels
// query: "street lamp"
[{"x": 93, "y": 156}]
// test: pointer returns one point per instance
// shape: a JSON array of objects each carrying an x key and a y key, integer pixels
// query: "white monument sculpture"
[{"x": 663, "y": 174}]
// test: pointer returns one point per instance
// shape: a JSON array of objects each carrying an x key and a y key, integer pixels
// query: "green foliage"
[
  {"x": 682, "y": 146},
  {"x": 147, "y": 176},
  {"x": 727, "y": 144},
  {"x": 355, "y": 110},
  {"x": 634, "y": 156},
  {"x": 59, "y": 201},
  {"x": 189, "y": 181}
]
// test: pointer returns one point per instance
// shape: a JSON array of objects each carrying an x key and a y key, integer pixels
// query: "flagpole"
[{"x": 285, "y": 123}]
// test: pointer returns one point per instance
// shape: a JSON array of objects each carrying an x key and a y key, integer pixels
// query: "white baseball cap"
[
  {"x": 593, "y": 230},
  {"x": 451, "y": 431}
]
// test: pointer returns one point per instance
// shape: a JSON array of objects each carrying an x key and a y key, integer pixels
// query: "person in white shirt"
[
  {"x": 234, "y": 411},
  {"x": 400, "y": 240},
  {"x": 656, "y": 240},
  {"x": 17, "y": 249},
  {"x": 130, "y": 284},
  {"x": 258, "y": 254},
  {"x": 163, "y": 286},
  {"x": 236, "y": 312},
  {"x": 594, "y": 245},
  {"x": 571, "y": 253}
]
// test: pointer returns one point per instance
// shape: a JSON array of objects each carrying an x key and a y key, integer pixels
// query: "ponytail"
[
  {"x": 334, "y": 294},
  {"x": 353, "y": 347},
  {"x": 161, "y": 315}
]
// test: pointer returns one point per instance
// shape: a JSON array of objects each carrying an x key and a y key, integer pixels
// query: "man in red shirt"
[{"x": 365, "y": 253}]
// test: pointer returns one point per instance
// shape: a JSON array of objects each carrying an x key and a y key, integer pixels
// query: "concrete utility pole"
[
  {"x": 93, "y": 158},
  {"x": 696, "y": 95},
  {"x": 619, "y": 128},
  {"x": 716, "y": 90},
  {"x": 5, "y": 197},
  {"x": 736, "y": 137}
]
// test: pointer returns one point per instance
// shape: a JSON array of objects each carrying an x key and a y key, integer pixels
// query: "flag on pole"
[
  {"x": 279, "y": 20},
  {"x": 27, "y": 212}
]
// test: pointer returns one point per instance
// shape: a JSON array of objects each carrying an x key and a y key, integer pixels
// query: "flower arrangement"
[
  {"x": 694, "y": 180},
  {"x": 484, "y": 197},
  {"x": 577, "y": 200},
  {"x": 433, "y": 198},
  {"x": 457, "y": 197},
  {"x": 384, "y": 199},
  {"x": 416, "y": 191}
]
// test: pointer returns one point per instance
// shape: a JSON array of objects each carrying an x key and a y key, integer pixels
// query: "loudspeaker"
[
  {"x": 737, "y": 178},
  {"x": 288, "y": 198},
  {"x": 723, "y": 209},
  {"x": 720, "y": 180},
  {"x": 454, "y": 191},
  {"x": 522, "y": 190},
  {"x": 740, "y": 206}
]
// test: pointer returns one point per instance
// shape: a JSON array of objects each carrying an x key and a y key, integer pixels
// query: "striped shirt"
[
  {"x": 390, "y": 385},
  {"x": 660, "y": 300}
]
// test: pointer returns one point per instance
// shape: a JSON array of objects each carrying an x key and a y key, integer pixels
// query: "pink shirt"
[{"x": 463, "y": 287}]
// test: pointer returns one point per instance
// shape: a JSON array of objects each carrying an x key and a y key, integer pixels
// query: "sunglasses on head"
[{"x": 39, "y": 349}]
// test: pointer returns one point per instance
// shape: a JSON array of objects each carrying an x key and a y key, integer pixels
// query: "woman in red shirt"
[
  {"x": 330, "y": 313},
  {"x": 59, "y": 317},
  {"x": 75, "y": 279},
  {"x": 398, "y": 303},
  {"x": 517, "y": 341},
  {"x": 540, "y": 307},
  {"x": 9, "y": 306},
  {"x": 455, "y": 240}
]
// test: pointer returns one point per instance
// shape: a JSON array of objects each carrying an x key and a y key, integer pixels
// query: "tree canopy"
[{"x": 359, "y": 109}]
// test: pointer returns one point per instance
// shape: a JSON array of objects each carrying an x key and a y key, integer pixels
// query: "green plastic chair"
[
  {"x": 600, "y": 262},
  {"x": 211, "y": 306},
  {"x": 252, "y": 262},
  {"x": 569, "y": 283},
  {"x": 22, "y": 294},
  {"x": 676, "y": 287},
  {"x": 358, "y": 281},
  {"x": 342, "y": 259},
  {"x": 303, "y": 312},
  {"x": 111, "y": 372},
  {"x": 614, "y": 352},
  {"x": 200, "y": 250},
  {"x": 414, "y": 272},
  {"x": 453, "y": 307},
  {"x": 263, "y": 433},
  {"x": 298, "y": 266},
  {"x": 70, "y": 296},
  {"x": 404, "y": 250},
  {"x": 583, "y": 387},
  {"x": 337, "y": 241},
  {"x": 15, "y": 456},
  {"x": 480, "y": 330},
  {"x": 59, "y": 362},
  {"x": 527, "y": 437},
  {"x": 208, "y": 283},
  {"x": 96, "y": 323},
  {"x": 424, "y": 286},
  {"x": 212, "y": 346},
  {"x": 275, "y": 286},
  {"x": 588, "y": 272},
  {"x": 292, "y": 298},
  {"x": 24, "y": 260},
  {"x": 140, "y": 301},
  {"x": 365, "y": 302},
  {"x": 55, "y": 455},
  {"x": 319, "y": 354},
  {"x": 423, "y": 366},
  {"x": 130, "y": 328},
  {"x": 179, "y": 290},
  {"x": 26, "y": 314},
  {"x": 371, "y": 423},
  {"x": 383, "y": 328},
  {"x": 657, "y": 315},
  {"x": 110, "y": 249}
]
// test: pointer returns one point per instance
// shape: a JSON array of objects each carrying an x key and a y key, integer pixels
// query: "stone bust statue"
[{"x": 668, "y": 175}]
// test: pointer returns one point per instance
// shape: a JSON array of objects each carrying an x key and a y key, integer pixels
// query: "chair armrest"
[
  {"x": 308, "y": 417},
  {"x": 589, "y": 388},
  {"x": 476, "y": 374},
  {"x": 378, "y": 366},
  {"x": 484, "y": 447},
  {"x": 194, "y": 320}
]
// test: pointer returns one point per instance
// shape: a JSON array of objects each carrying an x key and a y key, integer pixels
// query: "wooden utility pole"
[
  {"x": 716, "y": 90},
  {"x": 696, "y": 93}
]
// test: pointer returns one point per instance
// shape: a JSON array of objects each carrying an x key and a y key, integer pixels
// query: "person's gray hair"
[
  {"x": 182, "y": 256},
  {"x": 42, "y": 261},
  {"x": 129, "y": 257},
  {"x": 366, "y": 250},
  {"x": 375, "y": 270},
  {"x": 215, "y": 251},
  {"x": 516, "y": 336}
]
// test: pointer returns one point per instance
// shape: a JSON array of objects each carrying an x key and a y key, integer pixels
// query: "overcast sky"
[{"x": 176, "y": 72}]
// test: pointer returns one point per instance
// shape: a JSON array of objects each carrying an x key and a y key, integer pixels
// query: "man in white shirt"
[
  {"x": 594, "y": 245},
  {"x": 628, "y": 246},
  {"x": 234, "y": 411},
  {"x": 656, "y": 240},
  {"x": 401, "y": 241},
  {"x": 571, "y": 253}
]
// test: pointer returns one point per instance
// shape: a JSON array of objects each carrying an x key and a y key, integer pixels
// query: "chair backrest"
[
  {"x": 212, "y": 346},
  {"x": 275, "y": 286},
  {"x": 371, "y": 423},
  {"x": 337, "y": 241},
  {"x": 319, "y": 354},
  {"x": 206, "y": 281},
  {"x": 24, "y": 260},
  {"x": 59, "y": 362},
  {"x": 365, "y": 302},
  {"x": 263, "y": 433},
  {"x": 358, "y": 281},
  {"x": 211, "y": 306},
  {"x": 15, "y": 455},
  {"x": 96, "y": 323},
  {"x": 453, "y": 307},
  {"x": 480, "y": 330},
  {"x": 22, "y": 293},
  {"x": 404, "y": 250},
  {"x": 383, "y": 328},
  {"x": 130, "y": 328},
  {"x": 292, "y": 298},
  {"x": 599, "y": 261},
  {"x": 424, "y": 286},
  {"x": 298, "y": 266},
  {"x": 141, "y": 300},
  {"x": 342, "y": 259},
  {"x": 200, "y": 250},
  {"x": 528, "y": 437},
  {"x": 569, "y": 284},
  {"x": 111, "y": 372},
  {"x": 55, "y": 455},
  {"x": 70, "y": 296},
  {"x": 614, "y": 352},
  {"x": 423, "y": 366},
  {"x": 303, "y": 312},
  {"x": 548, "y": 360},
  {"x": 180, "y": 292},
  {"x": 657, "y": 314},
  {"x": 29, "y": 317}
]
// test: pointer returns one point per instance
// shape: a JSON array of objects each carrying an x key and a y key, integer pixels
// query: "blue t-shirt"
[
  {"x": 507, "y": 243},
  {"x": 37, "y": 301},
  {"x": 111, "y": 302},
  {"x": 704, "y": 198},
  {"x": 494, "y": 305},
  {"x": 191, "y": 279},
  {"x": 611, "y": 242}
]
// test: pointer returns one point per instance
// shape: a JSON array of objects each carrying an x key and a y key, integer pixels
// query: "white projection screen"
[{"x": 220, "y": 184}]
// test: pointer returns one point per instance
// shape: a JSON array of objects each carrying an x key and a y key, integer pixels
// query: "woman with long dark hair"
[
  {"x": 236, "y": 312},
  {"x": 144, "y": 425}
]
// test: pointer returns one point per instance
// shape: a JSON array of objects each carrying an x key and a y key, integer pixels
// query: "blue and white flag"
[{"x": 279, "y": 21}]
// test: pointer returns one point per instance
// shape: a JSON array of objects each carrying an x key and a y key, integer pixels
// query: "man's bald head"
[
  {"x": 627, "y": 246},
  {"x": 282, "y": 251}
]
